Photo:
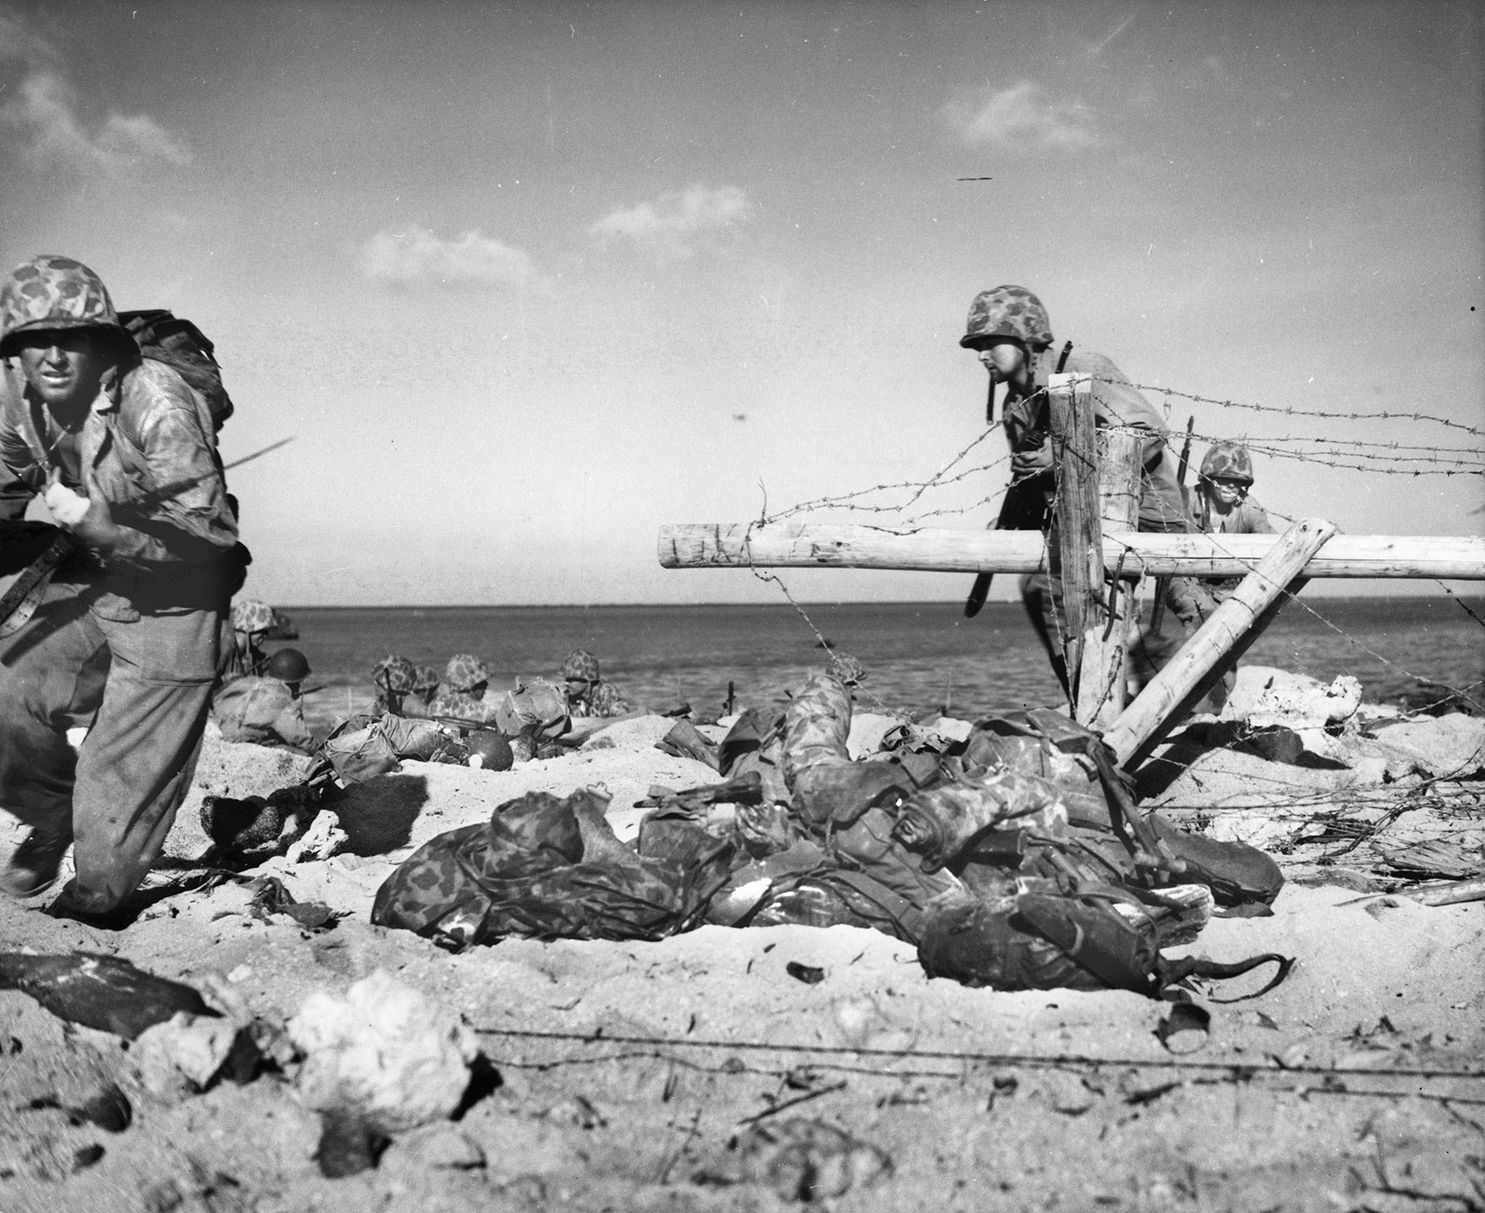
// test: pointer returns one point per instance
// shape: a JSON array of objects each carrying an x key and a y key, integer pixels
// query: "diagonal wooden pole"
[{"x": 1221, "y": 640}]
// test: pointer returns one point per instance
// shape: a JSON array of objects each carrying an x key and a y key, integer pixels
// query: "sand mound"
[{"x": 693, "y": 1072}]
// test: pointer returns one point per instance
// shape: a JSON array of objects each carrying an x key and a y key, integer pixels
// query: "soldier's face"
[
  {"x": 65, "y": 367},
  {"x": 1228, "y": 492},
  {"x": 1003, "y": 359}
]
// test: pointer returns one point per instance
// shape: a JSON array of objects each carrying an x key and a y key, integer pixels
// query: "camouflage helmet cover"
[
  {"x": 1008, "y": 311},
  {"x": 394, "y": 673},
  {"x": 425, "y": 678},
  {"x": 464, "y": 672},
  {"x": 846, "y": 668},
  {"x": 580, "y": 665},
  {"x": 1227, "y": 461},
  {"x": 49, "y": 293},
  {"x": 249, "y": 615}
]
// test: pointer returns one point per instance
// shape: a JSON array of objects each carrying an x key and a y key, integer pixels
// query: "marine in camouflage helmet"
[
  {"x": 465, "y": 672},
  {"x": 51, "y": 293},
  {"x": 1227, "y": 461},
  {"x": 1008, "y": 311},
  {"x": 394, "y": 673},
  {"x": 580, "y": 666},
  {"x": 251, "y": 616},
  {"x": 425, "y": 680},
  {"x": 846, "y": 668}
]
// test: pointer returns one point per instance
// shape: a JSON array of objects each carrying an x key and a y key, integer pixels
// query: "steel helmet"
[
  {"x": 1008, "y": 311},
  {"x": 49, "y": 293},
  {"x": 394, "y": 673},
  {"x": 425, "y": 678},
  {"x": 250, "y": 615},
  {"x": 489, "y": 750},
  {"x": 1227, "y": 461},
  {"x": 288, "y": 665},
  {"x": 465, "y": 672},
  {"x": 580, "y": 665}
]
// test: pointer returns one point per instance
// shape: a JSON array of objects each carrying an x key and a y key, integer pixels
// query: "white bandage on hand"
[{"x": 66, "y": 505}]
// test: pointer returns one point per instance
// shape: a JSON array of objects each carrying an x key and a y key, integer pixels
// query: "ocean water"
[{"x": 917, "y": 655}]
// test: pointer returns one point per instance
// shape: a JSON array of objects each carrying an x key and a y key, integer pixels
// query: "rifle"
[
  {"x": 1010, "y": 507},
  {"x": 20, "y": 601}
]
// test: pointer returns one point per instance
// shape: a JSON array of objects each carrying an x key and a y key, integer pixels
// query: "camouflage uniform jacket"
[
  {"x": 151, "y": 447},
  {"x": 1116, "y": 402},
  {"x": 262, "y": 710},
  {"x": 601, "y": 699}
]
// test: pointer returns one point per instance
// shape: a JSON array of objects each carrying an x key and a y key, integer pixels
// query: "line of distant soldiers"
[{"x": 260, "y": 701}]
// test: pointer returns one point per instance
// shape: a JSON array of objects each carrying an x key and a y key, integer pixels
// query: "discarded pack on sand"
[{"x": 549, "y": 867}]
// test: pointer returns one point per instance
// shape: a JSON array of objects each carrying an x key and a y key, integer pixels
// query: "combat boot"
[{"x": 34, "y": 864}]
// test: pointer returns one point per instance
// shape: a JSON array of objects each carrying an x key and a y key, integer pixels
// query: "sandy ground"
[{"x": 701, "y": 1073}]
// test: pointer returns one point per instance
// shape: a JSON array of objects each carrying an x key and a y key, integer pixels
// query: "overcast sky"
[{"x": 526, "y": 282}]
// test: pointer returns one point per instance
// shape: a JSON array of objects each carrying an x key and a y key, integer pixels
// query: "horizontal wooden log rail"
[{"x": 939, "y": 550}]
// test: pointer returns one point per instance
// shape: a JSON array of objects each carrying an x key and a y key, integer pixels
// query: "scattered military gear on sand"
[
  {"x": 580, "y": 665},
  {"x": 1007, "y": 311},
  {"x": 1227, "y": 461},
  {"x": 547, "y": 868},
  {"x": 1042, "y": 938},
  {"x": 51, "y": 293},
  {"x": 251, "y": 616},
  {"x": 103, "y": 992},
  {"x": 394, "y": 673},
  {"x": 463, "y": 673},
  {"x": 488, "y": 750},
  {"x": 288, "y": 665},
  {"x": 259, "y": 825},
  {"x": 533, "y": 713}
]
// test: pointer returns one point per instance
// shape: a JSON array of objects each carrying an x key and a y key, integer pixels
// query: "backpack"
[{"x": 165, "y": 337}]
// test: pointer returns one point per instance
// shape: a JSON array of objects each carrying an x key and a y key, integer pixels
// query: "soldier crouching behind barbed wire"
[
  {"x": 587, "y": 693},
  {"x": 1010, "y": 331},
  {"x": 1221, "y": 506}
]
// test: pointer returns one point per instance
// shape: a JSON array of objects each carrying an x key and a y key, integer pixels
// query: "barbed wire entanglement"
[{"x": 974, "y": 479}]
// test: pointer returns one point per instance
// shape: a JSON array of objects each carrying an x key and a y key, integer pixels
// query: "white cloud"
[
  {"x": 678, "y": 223},
  {"x": 1023, "y": 118},
  {"x": 42, "y": 110},
  {"x": 416, "y": 257}
]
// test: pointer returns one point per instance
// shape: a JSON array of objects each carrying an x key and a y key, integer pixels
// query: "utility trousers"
[{"x": 142, "y": 689}]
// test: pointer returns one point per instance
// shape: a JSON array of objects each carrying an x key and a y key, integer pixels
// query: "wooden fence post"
[
  {"x": 1226, "y": 634},
  {"x": 1077, "y": 548},
  {"x": 1101, "y": 677}
]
